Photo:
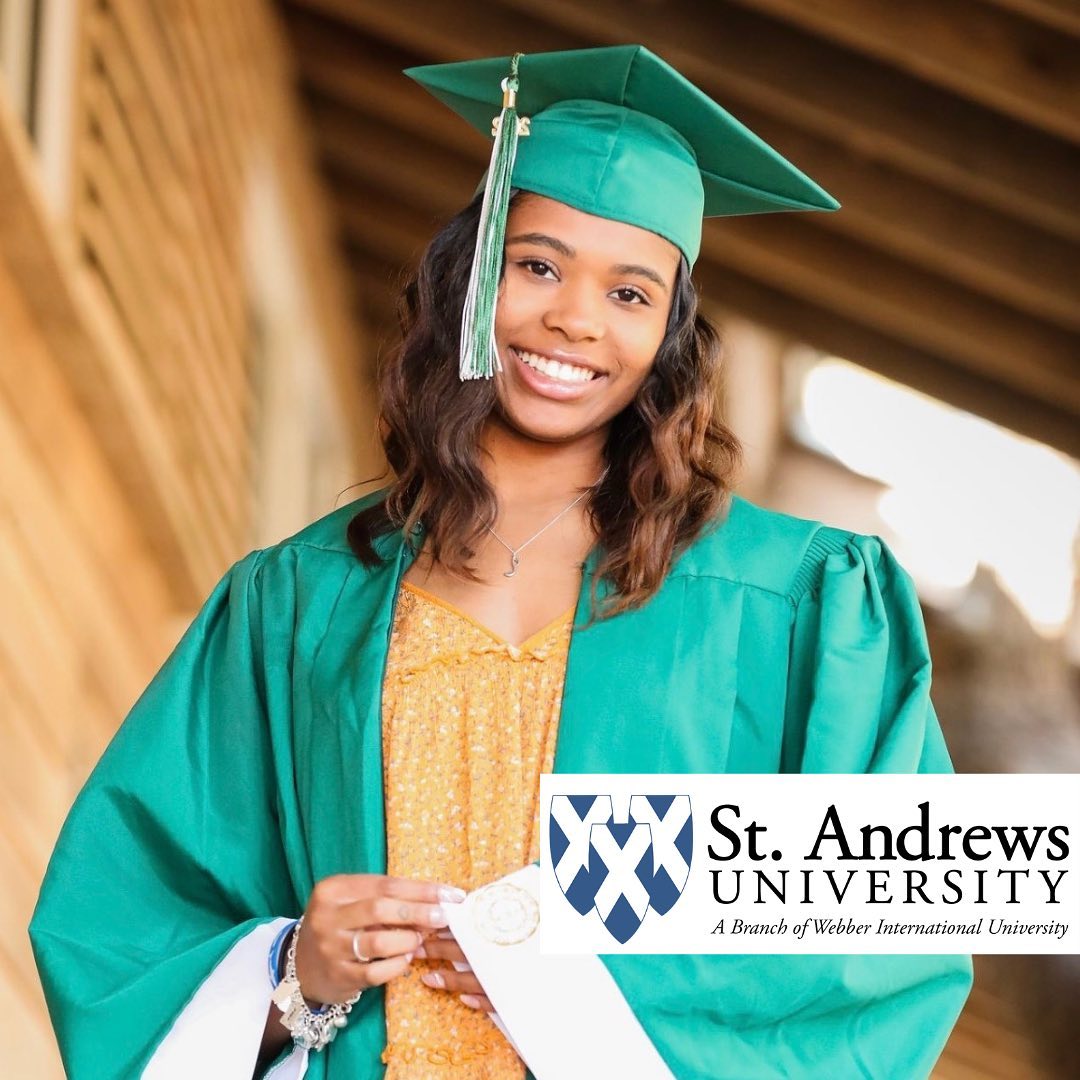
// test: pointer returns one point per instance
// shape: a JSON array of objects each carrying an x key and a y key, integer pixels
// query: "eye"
[
  {"x": 629, "y": 295},
  {"x": 537, "y": 267}
]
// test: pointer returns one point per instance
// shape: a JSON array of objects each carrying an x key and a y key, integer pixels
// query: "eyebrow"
[
  {"x": 545, "y": 241},
  {"x": 641, "y": 271},
  {"x": 565, "y": 249}
]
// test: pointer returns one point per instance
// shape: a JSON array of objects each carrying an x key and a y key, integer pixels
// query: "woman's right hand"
[{"x": 389, "y": 916}]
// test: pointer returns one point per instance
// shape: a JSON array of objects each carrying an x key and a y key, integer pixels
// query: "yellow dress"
[{"x": 469, "y": 723}]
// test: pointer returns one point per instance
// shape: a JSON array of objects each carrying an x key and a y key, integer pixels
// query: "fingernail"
[
  {"x": 448, "y": 894},
  {"x": 420, "y": 953},
  {"x": 434, "y": 979},
  {"x": 438, "y": 917},
  {"x": 408, "y": 957},
  {"x": 471, "y": 1000},
  {"x": 445, "y": 935}
]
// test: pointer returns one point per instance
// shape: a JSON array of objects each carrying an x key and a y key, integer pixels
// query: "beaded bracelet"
[
  {"x": 273, "y": 959},
  {"x": 310, "y": 1030}
]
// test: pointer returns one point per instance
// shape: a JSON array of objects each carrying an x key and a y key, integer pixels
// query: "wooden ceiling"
[{"x": 949, "y": 132}]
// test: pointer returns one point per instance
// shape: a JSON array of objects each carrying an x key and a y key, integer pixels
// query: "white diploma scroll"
[{"x": 565, "y": 1015}]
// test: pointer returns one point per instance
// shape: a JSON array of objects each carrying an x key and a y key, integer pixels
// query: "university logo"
[{"x": 621, "y": 868}]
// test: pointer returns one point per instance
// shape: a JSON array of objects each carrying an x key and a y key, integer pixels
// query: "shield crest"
[
  {"x": 621, "y": 868},
  {"x": 579, "y": 875},
  {"x": 625, "y": 851},
  {"x": 670, "y": 819}
]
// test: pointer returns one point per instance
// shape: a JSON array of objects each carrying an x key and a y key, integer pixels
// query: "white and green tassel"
[{"x": 479, "y": 353}]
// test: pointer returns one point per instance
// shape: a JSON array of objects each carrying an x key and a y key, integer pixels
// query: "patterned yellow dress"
[{"x": 469, "y": 723}]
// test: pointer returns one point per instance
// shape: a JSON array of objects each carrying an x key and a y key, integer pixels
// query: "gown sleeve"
[
  {"x": 220, "y": 1029},
  {"x": 172, "y": 852},
  {"x": 859, "y": 677},
  {"x": 857, "y": 701}
]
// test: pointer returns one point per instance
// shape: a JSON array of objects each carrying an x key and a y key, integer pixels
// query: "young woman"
[{"x": 558, "y": 577}]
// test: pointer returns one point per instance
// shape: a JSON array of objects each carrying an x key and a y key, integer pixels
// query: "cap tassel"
[{"x": 479, "y": 353}]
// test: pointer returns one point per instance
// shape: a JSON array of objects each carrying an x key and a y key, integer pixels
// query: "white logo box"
[{"x": 982, "y": 863}]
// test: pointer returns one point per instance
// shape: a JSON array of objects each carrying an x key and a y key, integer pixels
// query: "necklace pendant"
[{"x": 514, "y": 560}]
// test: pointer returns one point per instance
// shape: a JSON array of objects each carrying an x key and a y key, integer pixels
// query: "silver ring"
[{"x": 361, "y": 958}]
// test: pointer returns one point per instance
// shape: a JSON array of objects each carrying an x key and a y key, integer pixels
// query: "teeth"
[{"x": 556, "y": 370}]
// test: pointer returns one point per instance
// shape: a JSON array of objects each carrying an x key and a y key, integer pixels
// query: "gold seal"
[{"x": 506, "y": 914}]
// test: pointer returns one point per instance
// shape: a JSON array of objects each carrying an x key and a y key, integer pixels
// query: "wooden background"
[{"x": 136, "y": 417}]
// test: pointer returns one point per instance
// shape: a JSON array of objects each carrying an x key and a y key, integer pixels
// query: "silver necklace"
[{"x": 515, "y": 553}]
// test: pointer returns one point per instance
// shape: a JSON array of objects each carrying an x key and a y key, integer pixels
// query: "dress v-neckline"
[{"x": 532, "y": 639}]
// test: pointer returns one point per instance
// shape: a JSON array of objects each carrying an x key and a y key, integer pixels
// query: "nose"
[{"x": 575, "y": 311}]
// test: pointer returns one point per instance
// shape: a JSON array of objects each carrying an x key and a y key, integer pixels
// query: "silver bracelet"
[{"x": 310, "y": 1030}]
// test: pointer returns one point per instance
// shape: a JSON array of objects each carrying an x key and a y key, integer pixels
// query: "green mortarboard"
[{"x": 615, "y": 132}]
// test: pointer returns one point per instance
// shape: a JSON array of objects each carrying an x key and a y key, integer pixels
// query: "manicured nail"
[
  {"x": 408, "y": 957},
  {"x": 433, "y": 979},
  {"x": 445, "y": 935},
  {"x": 449, "y": 895},
  {"x": 471, "y": 1000},
  {"x": 438, "y": 917},
  {"x": 420, "y": 953}
]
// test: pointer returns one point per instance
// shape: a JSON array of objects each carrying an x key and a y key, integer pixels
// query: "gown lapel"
[
  {"x": 344, "y": 753},
  {"x": 617, "y": 699}
]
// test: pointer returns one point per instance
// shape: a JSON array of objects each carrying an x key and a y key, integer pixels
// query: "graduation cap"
[{"x": 615, "y": 132}]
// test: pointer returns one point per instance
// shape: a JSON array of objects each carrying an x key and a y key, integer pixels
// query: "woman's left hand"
[{"x": 444, "y": 946}]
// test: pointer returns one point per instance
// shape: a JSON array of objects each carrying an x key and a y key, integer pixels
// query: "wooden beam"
[
  {"x": 311, "y": 29},
  {"x": 880, "y": 113},
  {"x": 336, "y": 61},
  {"x": 354, "y": 143},
  {"x": 440, "y": 31},
  {"x": 805, "y": 318},
  {"x": 829, "y": 90},
  {"x": 998, "y": 58},
  {"x": 72, "y": 478},
  {"x": 969, "y": 243},
  {"x": 860, "y": 284},
  {"x": 1063, "y": 15},
  {"x": 344, "y": 338},
  {"x": 923, "y": 310},
  {"x": 373, "y": 218},
  {"x": 378, "y": 280},
  {"x": 378, "y": 285},
  {"x": 82, "y": 335},
  {"x": 1042, "y": 420}
]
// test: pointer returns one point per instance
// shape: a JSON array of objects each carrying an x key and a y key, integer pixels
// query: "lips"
[
  {"x": 555, "y": 376},
  {"x": 559, "y": 365}
]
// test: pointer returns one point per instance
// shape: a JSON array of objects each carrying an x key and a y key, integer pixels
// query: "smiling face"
[{"x": 583, "y": 307}]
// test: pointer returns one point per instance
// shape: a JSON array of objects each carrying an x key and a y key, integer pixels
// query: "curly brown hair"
[{"x": 670, "y": 460}]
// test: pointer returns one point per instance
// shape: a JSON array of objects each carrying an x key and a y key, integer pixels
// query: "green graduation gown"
[{"x": 251, "y": 767}]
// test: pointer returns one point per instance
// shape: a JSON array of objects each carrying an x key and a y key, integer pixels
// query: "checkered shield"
[
  {"x": 577, "y": 870},
  {"x": 625, "y": 851},
  {"x": 621, "y": 868},
  {"x": 672, "y": 825}
]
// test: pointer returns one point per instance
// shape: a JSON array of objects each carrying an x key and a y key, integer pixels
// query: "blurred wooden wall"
[{"x": 143, "y": 387}]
